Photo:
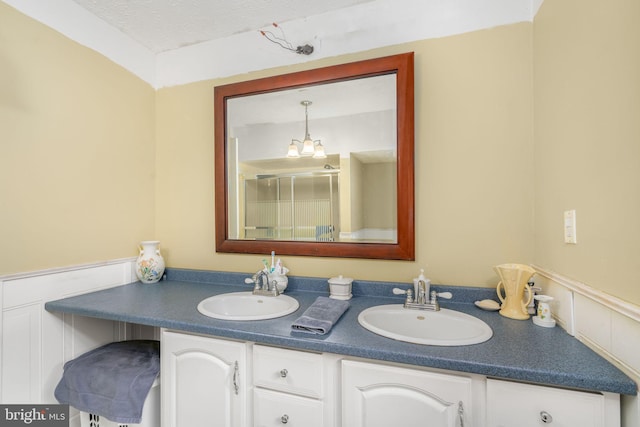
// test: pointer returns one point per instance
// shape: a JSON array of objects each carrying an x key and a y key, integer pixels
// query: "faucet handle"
[
  {"x": 274, "y": 288},
  {"x": 445, "y": 295},
  {"x": 408, "y": 292},
  {"x": 434, "y": 296},
  {"x": 253, "y": 281}
]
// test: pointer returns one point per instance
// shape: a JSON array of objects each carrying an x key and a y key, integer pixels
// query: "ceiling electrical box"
[{"x": 570, "y": 227}]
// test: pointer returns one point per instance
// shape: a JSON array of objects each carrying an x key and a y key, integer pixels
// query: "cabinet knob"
[
  {"x": 284, "y": 419},
  {"x": 546, "y": 417},
  {"x": 284, "y": 373}
]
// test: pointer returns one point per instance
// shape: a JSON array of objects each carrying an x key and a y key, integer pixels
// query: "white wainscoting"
[
  {"x": 606, "y": 324},
  {"x": 36, "y": 343}
]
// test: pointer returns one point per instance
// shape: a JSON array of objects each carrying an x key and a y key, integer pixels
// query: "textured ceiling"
[{"x": 162, "y": 25}]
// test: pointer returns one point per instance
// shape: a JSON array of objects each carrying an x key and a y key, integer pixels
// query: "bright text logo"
[{"x": 34, "y": 415}]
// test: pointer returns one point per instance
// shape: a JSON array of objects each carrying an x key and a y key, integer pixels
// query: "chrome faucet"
[
  {"x": 261, "y": 280},
  {"x": 264, "y": 287},
  {"x": 423, "y": 291},
  {"x": 421, "y": 302}
]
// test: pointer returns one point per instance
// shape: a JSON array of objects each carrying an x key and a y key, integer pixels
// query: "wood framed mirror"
[{"x": 356, "y": 201}]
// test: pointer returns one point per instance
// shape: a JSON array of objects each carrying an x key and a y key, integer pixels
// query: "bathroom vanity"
[
  {"x": 270, "y": 386},
  {"x": 260, "y": 373}
]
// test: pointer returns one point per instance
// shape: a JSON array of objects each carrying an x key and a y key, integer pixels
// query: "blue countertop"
[{"x": 518, "y": 349}]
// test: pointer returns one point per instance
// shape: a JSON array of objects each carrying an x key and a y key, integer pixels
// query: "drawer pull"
[
  {"x": 284, "y": 373},
  {"x": 284, "y": 419},
  {"x": 546, "y": 417}
]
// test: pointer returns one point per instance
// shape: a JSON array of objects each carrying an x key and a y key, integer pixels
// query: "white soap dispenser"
[{"x": 416, "y": 286}]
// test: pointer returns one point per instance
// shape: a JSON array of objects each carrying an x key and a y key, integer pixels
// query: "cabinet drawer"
[
  {"x": 526, "y": 405},
  {"x": 288, "y": 370},
  {"x": 275, "y": 409}
]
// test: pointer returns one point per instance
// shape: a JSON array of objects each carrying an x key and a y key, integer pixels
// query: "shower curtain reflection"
[{"x": 301, "y": 207}]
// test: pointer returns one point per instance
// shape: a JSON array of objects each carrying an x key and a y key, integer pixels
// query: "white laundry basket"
[{"x": 150, "y": 412}]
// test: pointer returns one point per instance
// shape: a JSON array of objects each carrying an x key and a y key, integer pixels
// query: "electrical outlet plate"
[{"x": 570, "y": 227}]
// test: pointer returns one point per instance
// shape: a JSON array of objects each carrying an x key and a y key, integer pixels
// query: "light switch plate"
[{"x": 570, "y": 227}]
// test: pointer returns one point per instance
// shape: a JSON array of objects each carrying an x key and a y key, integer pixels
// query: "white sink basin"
[
  {"x": 443, "y": 328},
  {"x": 246, "y": 306}
]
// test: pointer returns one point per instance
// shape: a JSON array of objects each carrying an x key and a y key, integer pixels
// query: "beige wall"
[
  {"x": 77, "y": 155},
  {"x": 474, "y": 178},
  {"x": 587, "y": 141},
  {"x": 356, "y": 183},
  {"x": 380, "y": 195}
]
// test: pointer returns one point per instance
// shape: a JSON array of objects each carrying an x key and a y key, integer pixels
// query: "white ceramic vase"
[{"x": 150, "y": 264}]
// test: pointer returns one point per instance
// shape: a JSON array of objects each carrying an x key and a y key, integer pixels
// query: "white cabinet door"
[
  {"x": 203, "y": 381},
  {"x": 381, "y": 396},
  {"x": 525, "y": 405}
]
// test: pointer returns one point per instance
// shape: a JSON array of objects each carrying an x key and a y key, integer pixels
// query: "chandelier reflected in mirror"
[{"x": 310, "y": 147}]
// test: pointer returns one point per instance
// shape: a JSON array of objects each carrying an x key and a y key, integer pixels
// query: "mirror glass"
[
  {"x": 347, "y": 195},
  {"x": 307, "y": 198}
]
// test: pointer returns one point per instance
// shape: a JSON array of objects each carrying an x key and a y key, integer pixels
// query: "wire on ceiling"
[{"x": 284, "y": 43}]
